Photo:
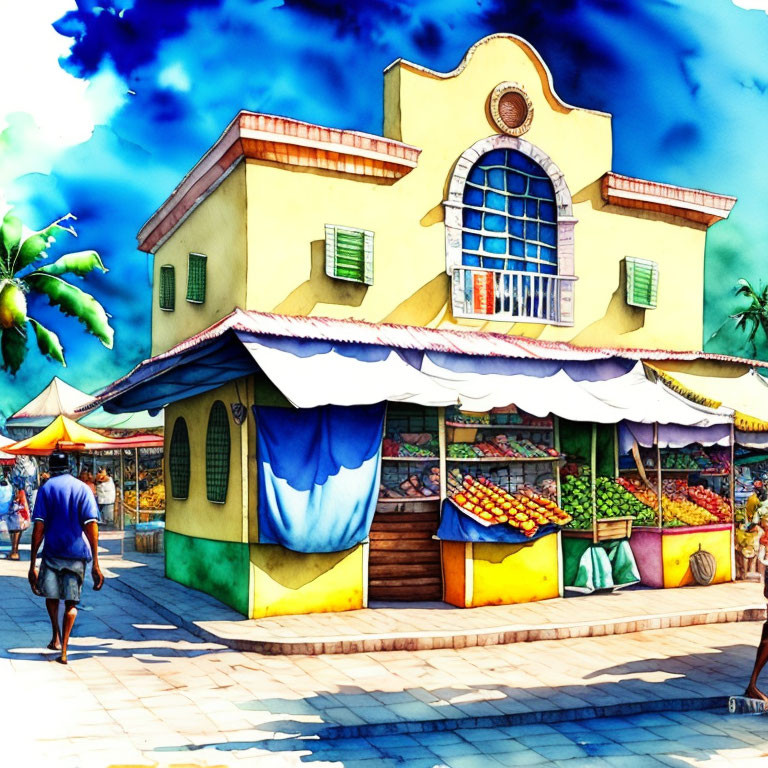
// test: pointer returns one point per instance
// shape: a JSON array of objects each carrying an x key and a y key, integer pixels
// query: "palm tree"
[
  {"x": 21, "y": 273},
  {"x": 756, "y": 314}
]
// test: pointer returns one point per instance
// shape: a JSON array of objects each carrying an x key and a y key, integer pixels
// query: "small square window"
[
  {"x": 167, "y": 292},
  {"x": 349, "y": 254},
  {"x": 196, "y": 268},
  {"x": 642, "y": 282}
]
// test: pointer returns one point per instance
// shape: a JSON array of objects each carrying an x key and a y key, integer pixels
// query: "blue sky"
[{"x": 123, "y": 96}]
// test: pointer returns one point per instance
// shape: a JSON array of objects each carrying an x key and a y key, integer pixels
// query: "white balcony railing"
[{"x": 505, "y": 295}]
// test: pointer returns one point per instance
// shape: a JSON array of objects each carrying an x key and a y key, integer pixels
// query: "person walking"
[
  {"x": 6, "y": 508},
  {"x": 66, "y": 519},
  {"x": 18, "y": 521}
]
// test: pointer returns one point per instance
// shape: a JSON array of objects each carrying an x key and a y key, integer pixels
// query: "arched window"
[
  {"x": 509, "y": 234},
  {"x": 217, "y": 445},
  {"x": 178, "y": 460},
  {"x": 510, "y": 215}
]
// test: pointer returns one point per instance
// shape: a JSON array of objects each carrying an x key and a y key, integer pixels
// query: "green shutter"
[
  {"x": 178, "y": 460},
  {"x": 167, "y": 287},
  {"x": 217, "y": 445},
  {"x": 642, "y": 282},
  {"x": 349, "y": 254},
  {"x": 196, "y": 278}
]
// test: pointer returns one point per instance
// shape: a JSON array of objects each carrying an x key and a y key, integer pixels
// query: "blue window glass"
[
  {"x": 477, "y": 176},
  {"x": 549, "y": 255},
  {"x": 522, "y": 199},
  {"x": 516, "y": 228},
  {"x": 494, "y": 245},
  {"x": 516, "y": 183},
  {"x": 470, "y": 242},
  {"x": 547, "y": 211},
  {"x": 495, "y": 200},
  {"x": 494, "y": 223},
  {"x": 496, "y": 178},
  {"x": 473, "y": 219},
  {"x": 473, "y": 196},
  {"x": 548, "y": 234}
]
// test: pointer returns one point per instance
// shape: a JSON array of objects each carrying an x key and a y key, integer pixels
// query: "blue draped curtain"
[{"x": 319, "y": 471}]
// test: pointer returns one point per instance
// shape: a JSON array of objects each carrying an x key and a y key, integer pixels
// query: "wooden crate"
[
  {"x": 607, "y": 528},
  {"x": 461, "y": 434},
  {"x": 149, "y": 541}
]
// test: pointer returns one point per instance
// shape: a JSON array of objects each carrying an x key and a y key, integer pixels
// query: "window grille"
[
  {"x": 217, "y": 447},
  {"x": 349, "y": 254},
  {"x": 178, "y": 460},
  {"x": 196, "y": 269},
  {"x": 642, "y": 282},
  {"x": 510, "y": 215},
  {"x": 167, "y": 287}
]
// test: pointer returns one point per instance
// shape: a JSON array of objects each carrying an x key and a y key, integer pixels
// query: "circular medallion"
[{"x": 511, "y": 109}]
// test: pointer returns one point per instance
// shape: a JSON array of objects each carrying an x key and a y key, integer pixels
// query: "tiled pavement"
[
  {"x": 437, "y": 625},
  {"x": 141, "y": 691}
]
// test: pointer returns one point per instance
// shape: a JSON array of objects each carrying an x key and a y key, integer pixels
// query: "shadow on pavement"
[{"x": 407, "y": 713}]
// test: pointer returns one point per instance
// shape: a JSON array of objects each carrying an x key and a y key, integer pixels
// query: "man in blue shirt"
[{"x": 66, "y": 517}]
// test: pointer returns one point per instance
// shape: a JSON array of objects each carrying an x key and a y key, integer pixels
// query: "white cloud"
[
  {"x": 752, "y": 5},
  {"x": 174, "y": 76},
  {"x": 64, "y": 108}
]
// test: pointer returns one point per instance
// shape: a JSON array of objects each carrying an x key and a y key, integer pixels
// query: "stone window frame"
[{"x": 454, "y": 206}]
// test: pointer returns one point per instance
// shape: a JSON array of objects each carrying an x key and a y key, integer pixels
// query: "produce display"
[
  {"x": 714, "y": 461},
  {"x": 489, "y": 504},
  {"x": 403, "y": 481},
  {"x": 681, "y": 504},
  {"x": 455, "y": 416},
  {"x": 392, "y": 449},
  {"x": 152, "y": 498},
  {"x": 500, "y": 446},
  {"x": 611, "y": 500},
  {"x": 678, "y": 461}
]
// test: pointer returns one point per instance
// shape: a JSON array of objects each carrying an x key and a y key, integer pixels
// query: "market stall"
[
  {"x": 596, "y": 550},
  {"x": 689, "y": 539},
  {"x": 499, "y": 532},
  {"x": 67, "y": 435}
]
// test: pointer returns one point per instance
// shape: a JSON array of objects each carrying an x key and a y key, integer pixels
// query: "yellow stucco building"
[{"x": 487, "y": 204}]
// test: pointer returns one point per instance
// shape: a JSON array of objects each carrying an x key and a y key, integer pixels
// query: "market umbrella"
[
  {"x": 64, "y": 434},
  {"x": 6, "y": 458}
]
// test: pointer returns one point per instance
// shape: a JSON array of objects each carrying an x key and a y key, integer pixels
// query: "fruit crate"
[{"x": 607, "y": 528}]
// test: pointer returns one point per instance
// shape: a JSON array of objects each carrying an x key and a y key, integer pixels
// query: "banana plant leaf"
[{"x": 74, "y": 302}]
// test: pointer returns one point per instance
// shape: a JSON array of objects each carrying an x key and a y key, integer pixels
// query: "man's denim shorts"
[{"x": 61, "y": 578}]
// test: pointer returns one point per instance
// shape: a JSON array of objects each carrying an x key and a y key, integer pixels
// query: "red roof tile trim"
[
  {"x": 476, "y": 343},
  {"x": 275, "y": 139},
  {"x": 692, "y": 204}
]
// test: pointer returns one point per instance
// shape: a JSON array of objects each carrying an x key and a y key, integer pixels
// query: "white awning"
[
  {"x": 330, "y": 378},
  {"x": 629, "y": 397}
]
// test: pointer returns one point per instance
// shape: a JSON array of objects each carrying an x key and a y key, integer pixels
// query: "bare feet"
[
  {"x": 753, "y": 692},
  {"x": 61, "y": 659},
  {"x": 14, "y": 556},
  {"x": 54, "y": 645}
]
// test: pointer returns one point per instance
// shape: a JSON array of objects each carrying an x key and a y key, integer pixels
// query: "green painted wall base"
[{"x": 219, "y": 568}]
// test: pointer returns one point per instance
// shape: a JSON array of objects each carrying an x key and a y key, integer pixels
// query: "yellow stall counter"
[
  {"x": 491, "y": 573},
  {"x": 285, "y": 582},
  {"x": 663, "y": 555}
]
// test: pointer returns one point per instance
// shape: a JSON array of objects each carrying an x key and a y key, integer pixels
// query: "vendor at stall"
[{"x": 758, "y": 499}]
